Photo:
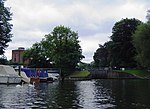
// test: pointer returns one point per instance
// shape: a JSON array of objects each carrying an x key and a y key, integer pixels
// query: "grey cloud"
[{"x": 92, "y": 19}]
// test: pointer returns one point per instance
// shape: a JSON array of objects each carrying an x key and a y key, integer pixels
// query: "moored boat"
[
  {"x": 8, "y": 75},
  {"x": 39, "y": 74}
]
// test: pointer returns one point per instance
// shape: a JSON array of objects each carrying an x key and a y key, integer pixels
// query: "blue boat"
[{"x": 37, "y": 74}]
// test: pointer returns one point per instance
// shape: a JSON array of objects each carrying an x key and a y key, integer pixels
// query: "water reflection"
[
  {"x": 131, "y": 94},
  {"x": 95, "y": 94}
]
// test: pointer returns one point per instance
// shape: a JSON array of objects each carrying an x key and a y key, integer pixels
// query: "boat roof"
[{"x": 6, "y": 70}]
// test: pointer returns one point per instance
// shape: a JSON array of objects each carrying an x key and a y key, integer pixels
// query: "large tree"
[
  {"x": 142, "y": 44},
  {"x": 5, "y": 27},
  {"x": 62, "y": 46},
  {"x": 123, "y": 51}
]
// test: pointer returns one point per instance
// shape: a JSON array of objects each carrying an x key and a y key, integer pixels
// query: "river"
[{"x": 92, "y": 94}]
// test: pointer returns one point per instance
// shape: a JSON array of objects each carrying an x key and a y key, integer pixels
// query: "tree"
[
  {"x": 3, "y": 59},
  {"x": 141, "y": 40},
  {"x": 62, "y": 46},
  {"x": 100, "y": 56},
  {"x": 123, "y": 51},
  {"x": 36, "y": 57},
  {"x": 148, "y": 15},
  {"x": 5, "y": 27}
]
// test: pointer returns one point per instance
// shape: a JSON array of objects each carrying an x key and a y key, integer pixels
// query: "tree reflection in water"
[{"x": 93, "y": 94}]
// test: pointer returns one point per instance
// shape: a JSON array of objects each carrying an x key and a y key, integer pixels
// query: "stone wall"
[{"x": 109, "y": 74}]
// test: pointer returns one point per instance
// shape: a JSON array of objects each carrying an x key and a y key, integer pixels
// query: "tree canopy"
[
  {"x": 62, "y": 46},
  {"x": 148, "y": 15},
  {"x": 141, "y": 40},
  {"x": 101, "y": 56},
  {"x": 119, "y": 52},
  {"x": 123, "y": 51},
  {"x": 36, "y": 57},
  {"x": 5, "y": 27}
]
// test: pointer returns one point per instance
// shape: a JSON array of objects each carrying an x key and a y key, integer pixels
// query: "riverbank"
[
  {"x": 109, "y": 74},
  {"x": 143, "y": 74},
  {"x": 79, "y": 75}
]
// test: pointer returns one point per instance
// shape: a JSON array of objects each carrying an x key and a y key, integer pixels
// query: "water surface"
[{"x": 93, "y": 94}]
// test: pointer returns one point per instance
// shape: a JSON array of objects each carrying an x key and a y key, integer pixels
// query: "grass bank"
[
  {"x": 140, "y": 73},
  {"x": 79, "y": 74}
]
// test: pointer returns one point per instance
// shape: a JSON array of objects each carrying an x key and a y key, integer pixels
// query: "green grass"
[
  {"x": 140, "y": 73},
  {"x": 83, "y": 73}
]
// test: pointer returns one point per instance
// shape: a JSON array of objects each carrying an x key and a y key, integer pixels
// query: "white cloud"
[
  {"x": 93, "y": 20},
  {"x": 90, "y": 44}
]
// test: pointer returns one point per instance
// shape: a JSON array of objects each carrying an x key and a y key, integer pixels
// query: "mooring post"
[{"x": 19, "y": 73}]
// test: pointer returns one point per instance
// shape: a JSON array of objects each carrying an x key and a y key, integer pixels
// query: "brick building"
[{"x": 17, "y": 55}]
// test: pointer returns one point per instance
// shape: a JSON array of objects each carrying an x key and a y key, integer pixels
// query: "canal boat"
[
  {"x": 8, "y": 75},
  {"x": 39, "y": 74}
]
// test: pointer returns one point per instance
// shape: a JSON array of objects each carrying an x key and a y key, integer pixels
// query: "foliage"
[
  {"x": 3, "y": 59},
  {"x": 62, "y": 46},
  {"x": 148, "y": 15},
  {"x": 123, "y": 51},
  {"x": 101, "y": 57},
  {"x": 142, "y": 44},
  {"x": 119, "y": 52},
  {"x": 5, "y": 27},
  {"x": 36, "y": 56}
]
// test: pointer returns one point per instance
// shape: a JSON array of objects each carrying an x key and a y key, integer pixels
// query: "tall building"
[{"x": 17, "y": 55}]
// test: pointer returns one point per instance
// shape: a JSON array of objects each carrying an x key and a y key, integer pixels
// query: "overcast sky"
[{"x": 92, "y": 19}]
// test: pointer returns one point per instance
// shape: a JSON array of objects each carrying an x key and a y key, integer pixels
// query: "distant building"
[{"x": 17, "y": 55}]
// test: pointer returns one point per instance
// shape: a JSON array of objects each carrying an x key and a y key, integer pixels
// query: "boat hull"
[{"x": 9, "y": 80}]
